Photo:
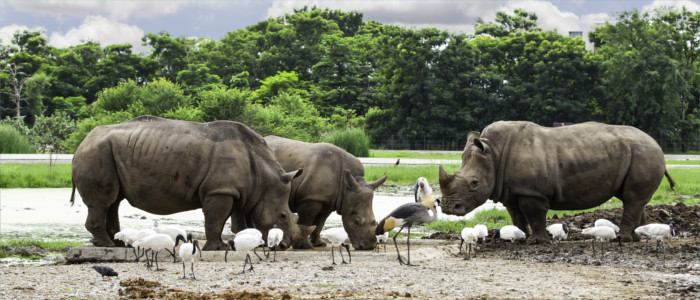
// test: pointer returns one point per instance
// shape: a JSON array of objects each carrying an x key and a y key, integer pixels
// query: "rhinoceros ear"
[
  {"x": 287, "y": 177},
  {"x": 379, "y": 182},
  {"x": 444, "y": 178},
  {"x": 482, "y": 143},
  {"x": 350, "y": 181},
  {"x": 470, "y": 137}
]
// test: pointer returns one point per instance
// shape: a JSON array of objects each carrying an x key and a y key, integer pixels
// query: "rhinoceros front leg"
[
  {"x": 311, "y": 213},
  {"x": 535, "y": 212},
  {"x": 216, "y": 209}
]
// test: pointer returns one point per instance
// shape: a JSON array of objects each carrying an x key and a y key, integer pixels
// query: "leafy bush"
[
  {"x": 353, "y": 140},
  {"x": 12, "y": 141},
  {"x": 289, "y": 116}
]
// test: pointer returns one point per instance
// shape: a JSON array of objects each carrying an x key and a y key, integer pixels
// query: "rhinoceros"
[
  {"x": 333, "y": 180},
  {"x": 531, "y": 169},
  {"x": 165, "y": 166}
]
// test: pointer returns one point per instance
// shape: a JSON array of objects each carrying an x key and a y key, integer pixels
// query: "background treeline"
[{"x": 315, "y": 73}]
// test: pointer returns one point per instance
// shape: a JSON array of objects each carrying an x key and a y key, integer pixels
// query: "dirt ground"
[{"x": 540, "y": 272}]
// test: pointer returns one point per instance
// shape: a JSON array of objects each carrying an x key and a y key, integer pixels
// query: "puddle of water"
[{"x": 47, "y": 213}]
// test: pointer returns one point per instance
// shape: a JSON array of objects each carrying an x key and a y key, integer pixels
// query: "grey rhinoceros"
[
  {"x": 333, "y": 180},
  {"x": 531, "y": 169},
  {"x": 165, "y": 166}
]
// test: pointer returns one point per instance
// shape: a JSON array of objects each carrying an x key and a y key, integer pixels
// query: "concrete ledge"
[{"x": 85, "y": 254}]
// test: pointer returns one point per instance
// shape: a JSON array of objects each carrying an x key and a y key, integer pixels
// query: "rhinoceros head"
[
  {"x": 275, "y": 211},
  {"x": 471, "y": 185},
  {"x": 356, "y": 210}
]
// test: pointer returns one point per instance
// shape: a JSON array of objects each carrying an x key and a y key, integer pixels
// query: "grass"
[
  {"x": 39, "y": 175},
  {"x": 407, "y": 175},
  {"x": 47, "y": 245},
  {"x": 414, "y": 154},
  {"x": 683, "y": 162},
  {"x": 12, "y": 141}
]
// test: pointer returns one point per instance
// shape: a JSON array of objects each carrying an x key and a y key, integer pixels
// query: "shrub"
[
  {"x": 353, "y": 140},
  {"x": 12, "y": 141}
]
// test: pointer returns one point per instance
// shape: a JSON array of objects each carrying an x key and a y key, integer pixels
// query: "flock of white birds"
[{"x": 166, "y": 237}]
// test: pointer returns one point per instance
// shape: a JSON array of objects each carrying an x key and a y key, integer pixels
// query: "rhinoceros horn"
[{"x": 379, "y": 182}]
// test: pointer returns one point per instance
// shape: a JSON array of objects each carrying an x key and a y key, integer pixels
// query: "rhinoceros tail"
[
  {"x": 72, "y": 194},
  {"x": 670, "y": 181}
]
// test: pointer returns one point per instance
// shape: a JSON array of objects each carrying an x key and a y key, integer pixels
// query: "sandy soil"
[{"x": 541, "y": 272}]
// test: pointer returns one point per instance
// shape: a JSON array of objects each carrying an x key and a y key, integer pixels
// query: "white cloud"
[
  {"x": 116, "y": 9},
  {"x": 102, "y": 30},
  {"x": 8, "y": 32},
  {"x": 676, "y": 4}
]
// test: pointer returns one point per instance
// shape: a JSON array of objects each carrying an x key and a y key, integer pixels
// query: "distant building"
[{"x": 575, "y": 34}]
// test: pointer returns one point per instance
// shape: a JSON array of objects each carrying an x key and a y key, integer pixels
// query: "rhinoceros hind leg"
[{"x": 96, "y": 224}]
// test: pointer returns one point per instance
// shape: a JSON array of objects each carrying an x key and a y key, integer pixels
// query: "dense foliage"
[{"x": 309, "y": 73}]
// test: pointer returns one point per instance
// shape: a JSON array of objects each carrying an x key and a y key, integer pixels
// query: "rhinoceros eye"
[
  {"x": 474, "y": 183},
  {"x": 283, "y": 215}
]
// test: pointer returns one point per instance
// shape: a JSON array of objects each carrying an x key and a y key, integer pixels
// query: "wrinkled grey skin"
[
  {"x": 531, "y": 169},
  {"x": 333, "y": 180},
  {"x": 164, "y": 166}
]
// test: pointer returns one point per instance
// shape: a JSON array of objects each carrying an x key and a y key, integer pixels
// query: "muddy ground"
[{"x": 541, "y": 272}]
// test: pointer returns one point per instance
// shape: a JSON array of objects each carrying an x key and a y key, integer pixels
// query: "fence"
[{"x": 457, "y": 144}]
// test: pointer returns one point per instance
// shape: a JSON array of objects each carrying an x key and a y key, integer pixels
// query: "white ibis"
[
  {"x": 188, "y": 249},
  {"x": 274, "y": 237},
  {"x": 658, "y": 232},
  {"x": 407, "y": 215},
  {"x": 155, "y": 243},
  {"x": 128, "y": 236},
  {"x": 559, "y": 231},
  {"x": 468, "y": 237},
  {"x": 481, "y": 233},
  {"x": 382, "y": 238},
  {"x": 422, "y": 190},
  {"x": 337, "y": 236},
  {"x": 604, "y": 234},
  {"x": 243, "y": 242},
  {"x": 510, "y": 233},
  {"x": 604, "y": 222},
  {"x": 105, "y": 272},
  {"x": 140, "y": 235},
  {"x": 173, "y": 231},
  {"x": 256, "y": 233}
]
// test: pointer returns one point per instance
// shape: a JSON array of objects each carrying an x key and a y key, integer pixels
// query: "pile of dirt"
[
  {"x": 686, "y": 217},
  {"x": 681, "y": 253}
]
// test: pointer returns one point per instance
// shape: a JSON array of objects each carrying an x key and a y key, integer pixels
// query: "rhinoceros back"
[{"x": 154, "y": 160}]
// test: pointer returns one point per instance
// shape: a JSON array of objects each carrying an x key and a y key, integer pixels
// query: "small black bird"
[
  {"x": 105, "y": 271},
  {"x": 397, "y": 162}
]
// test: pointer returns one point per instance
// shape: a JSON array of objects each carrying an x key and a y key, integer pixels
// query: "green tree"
[
  {"x": 644, "y": 79},
  {"x": 196, "y": 78},
  {"x": 290, "y": 116},
  {"x": 224, "y": 104},
  {"x": 520, "y": 21},
  {"x": 49, "y": 132}
]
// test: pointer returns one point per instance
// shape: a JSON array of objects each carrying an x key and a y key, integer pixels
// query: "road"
[{"x": 367, "y": 161}]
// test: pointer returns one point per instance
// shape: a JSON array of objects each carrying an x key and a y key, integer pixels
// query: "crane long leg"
[
  {"x": 183, "y": 270},
  {"x": 157, "y": 269},
  {"x": 466, "y": 257},
  {"x": 408, "y": 246},
  {"x": 461, "y": 241},
  {"x": 397, "y": 247},
  {"x": 593, "y": 245},
  {"x": 275, "y": 257},
  {"x": 340, "y": 249}
]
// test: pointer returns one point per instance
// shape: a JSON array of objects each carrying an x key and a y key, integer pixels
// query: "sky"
[{"x": 72, "y": 22}]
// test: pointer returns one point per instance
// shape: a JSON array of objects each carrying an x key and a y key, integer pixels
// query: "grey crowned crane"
[{"x": 407, "y": 215}]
